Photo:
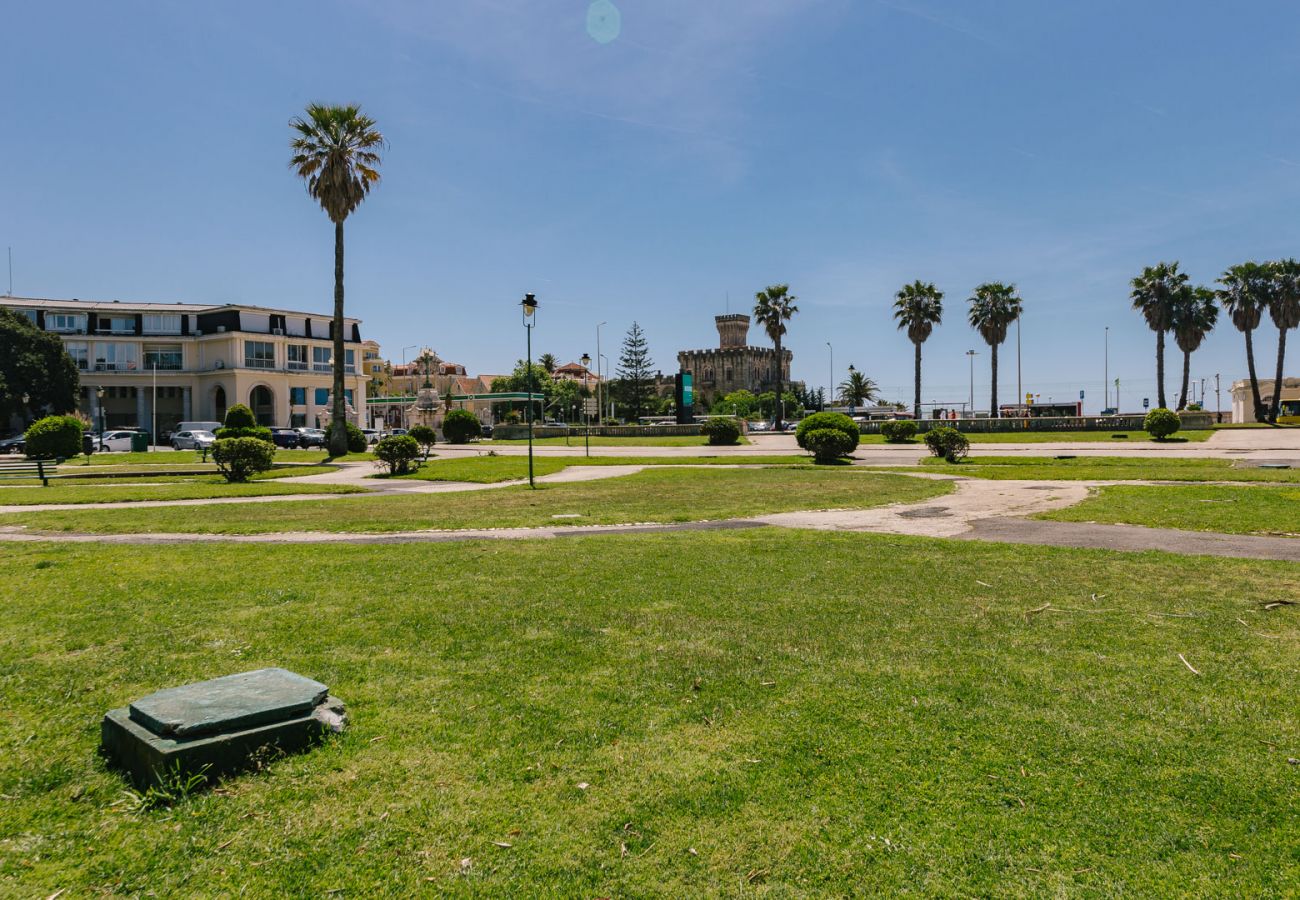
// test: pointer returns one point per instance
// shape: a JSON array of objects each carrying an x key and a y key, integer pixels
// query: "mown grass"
[
  {"x": 1235, "y": 510},
  {"x": 491, "y": 469},
  {"x": 178, "y": 457},
  {"x": 162, "y": 474},
  {"x": 1108, "y": 468},
  {"x": 1063, "y": 437},
  {"x": 577, "y": 440},
  {"x": 660, "y": 495},
  {"x": 762, "y": 713},
  {"x": 196, "y": 488}
]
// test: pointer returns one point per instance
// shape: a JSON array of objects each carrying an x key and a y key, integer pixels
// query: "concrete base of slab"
[{"x": 147, "y": 758}]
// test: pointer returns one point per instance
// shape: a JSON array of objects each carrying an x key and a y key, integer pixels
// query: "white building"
[
  {"x": 1243, "y": 405},
  {"x": 203, "y": 360}
]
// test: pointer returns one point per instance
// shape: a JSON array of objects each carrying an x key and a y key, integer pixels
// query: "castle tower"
[{"x": 733, "y": 330}]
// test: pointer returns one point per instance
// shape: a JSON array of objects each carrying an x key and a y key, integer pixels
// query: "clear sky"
[{"x": 647, "y": 158}]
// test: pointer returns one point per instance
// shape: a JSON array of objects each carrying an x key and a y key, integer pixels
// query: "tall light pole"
[
  {"x": 971, "y": 354},
  {"x": 853, "y": 401},
  {"x": 99, "y": 395},
  {"x": 1218, "y": 400},
  {"x": 1020, "y": 391},
  {"x": 1105, "y": 379},
  {"x": 529, "y": 305},
  {"x": 600, "y": 396},
  {"x": 586, "y": 363},
  {"x": 830, "y": 387},
  {"x": 611, "y": 402}
]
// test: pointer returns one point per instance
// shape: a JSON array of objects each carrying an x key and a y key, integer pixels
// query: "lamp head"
[
  {"x": 529, "y": 303},
  {"x": 851, "y": 369},
  {"x": 586, "y": 360}
]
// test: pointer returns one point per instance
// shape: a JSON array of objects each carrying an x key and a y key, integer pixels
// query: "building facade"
[
  {"x": 200, "y": 360},
  {"x": 734, "y": 365},
  {"x": 1243, "y": 404}
]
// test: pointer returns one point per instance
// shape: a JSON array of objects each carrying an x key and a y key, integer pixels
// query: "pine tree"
[{"x": 635, "y": 388}]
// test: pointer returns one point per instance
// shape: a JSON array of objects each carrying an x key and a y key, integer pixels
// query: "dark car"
[
  {"x": 485, "y": 431},
  {"x": 285, "y": 437},
  {"x": 13, "y": 445},
  {"x": 310, "y": 437}
]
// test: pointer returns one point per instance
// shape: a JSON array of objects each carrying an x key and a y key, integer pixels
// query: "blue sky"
[{"x": 843, "y": 146}]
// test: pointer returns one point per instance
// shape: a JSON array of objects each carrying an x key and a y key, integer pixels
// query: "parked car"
[
  {"x": 116, "y": 441},
  {"x": 15, "y": 444},
  {"x": 310, "y": 437},
  {"x": 551, "y": 423},
  {"x": 199, "y": 426},
  {"x": 397, "y": 431},
  {"x": 372, "y": 436},
  {"x": 285, "y": 437},
  {"x": 485, "y": 431},
  {"x": 193, "y": 440}
]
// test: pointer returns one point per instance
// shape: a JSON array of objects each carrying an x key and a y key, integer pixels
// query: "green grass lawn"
[
  {"x": 762, "y": 713},
  {"x": 491, "y": 469},
  {"x": 165, "y": 474},
  {"x": 1063, "y": 437},
  {"x": 1236, "y": 510},
  {"x": 189, "y": 457},
  {"x": 198, "y": 488},
  {"x": 671, "y": 440},
  {"x": 661, "y": 495},
  {"x": 1108, "y": 468}
]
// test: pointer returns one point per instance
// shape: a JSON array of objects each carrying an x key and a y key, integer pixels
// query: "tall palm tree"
[
  {"x": 336, "y": 151},
  {"x": 1153, "y": 296},
  {"x": 858, "y": 389},
  {"x": 773, "y": 307},
  {"x": 918, "y": 307},
  {"x": 1284, "y": 310},
  {"x": 993, "y": 307},
  {"x": 1194, "y": 316},
  {"x": 1245, "y": 296},
  {"x": 548, "y": 362}
]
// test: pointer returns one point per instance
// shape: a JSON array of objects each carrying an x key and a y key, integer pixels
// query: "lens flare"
[{"x": 604, "y": 21}]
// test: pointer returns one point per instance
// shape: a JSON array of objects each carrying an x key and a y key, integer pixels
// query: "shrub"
[
  {"x": 948, "y": 443},
  {"x": 1161, "y": 422},
  {"x": 397, "y": 452},
  {"x": 239, "y": 458},
  {"x": 720, "y": 430},
  {"x": 240, "y": 423},
  {"x": 425, "y": 436},
  {"x": 838, "y": 421},
  {"x": 898, "y": 431},
  {"x": 240, "y": 416},
  {"x": 460, "y": 426},
  {"x": 356, "y": 439},
  {"x": 54, "y": 437},
  {"x": 828, "y": 444}
]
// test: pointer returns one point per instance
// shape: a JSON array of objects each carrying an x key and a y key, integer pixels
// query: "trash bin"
[{"x": 139, "y": 442}]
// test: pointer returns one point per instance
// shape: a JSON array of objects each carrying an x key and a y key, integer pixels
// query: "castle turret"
[{"x": 733, "y": 330}]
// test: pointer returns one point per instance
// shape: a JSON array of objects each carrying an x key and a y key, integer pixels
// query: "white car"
[
  {"x": 119, "y": 441},
  {"x": 193, "y": 440}
]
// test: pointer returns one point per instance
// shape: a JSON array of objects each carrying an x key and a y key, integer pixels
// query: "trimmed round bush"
[
  {"x": 241, "y": 423},
  {"x": 816, "y": 421},
  {"x": 898, "y": 431},
  {"x": 1161, "y": 422},
  {"x": 397, "y": 452},
  {"x": 238, "y": 459},
  {"x": 948, "y": 443},
  {"x": 54, "y": 437},
  {"x": 425, "y": 436},
  {"x": 356, "y": 439},
  {"x": 720, "y": 431},
  {"x": 461, "y": 426},
  {"x": 828, "y": 444}
]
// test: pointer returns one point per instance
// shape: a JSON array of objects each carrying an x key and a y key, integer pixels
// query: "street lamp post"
[
  {"x": 586, "y": 432},
  {"x": 830, "y": 388},
  {"x": 600, "y": 406},
  {"x": 99, "y": 395},
  {"x": 971, "y": 354},
  {"x": 852, "y": 399},
  {"x": 529, "y": 305},
  {"x": 1105, "y": 378}
]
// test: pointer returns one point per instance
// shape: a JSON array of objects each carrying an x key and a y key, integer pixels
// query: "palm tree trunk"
[
  {"x": 916, "y": 408},
  {"x": 1160, "y": 369},
  {"x": 1277, "y": 382},
  {"x": 777, "y": 405},
  {"x": 993, "y": 400},
  {"x": 1187, "y": 368},
  {"x": 1254, "y": 379},
  {"x": 339, "y": 416}
]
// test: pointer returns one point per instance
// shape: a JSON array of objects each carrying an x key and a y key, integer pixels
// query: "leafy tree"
[
  {"x": 918, "y": 307},
  {"x": 336, "y": 151},
  {"x": 635, "y": 388},
  {"x": 738, "y": 403},
  {"x": 241, "y": 423},
  {"x": 1153, "y": 295},
  {"x": 993, "y": 308},
  {"x": 396, "y": 452},
  {"x": 548, "y": 362},
  {"x": 773, "y": 307},
  {"x": 518, "y": 382},
  {"x": 355, "y": 440},
  {"x": 1284, "y": 310},
  {"x": 33, "y": 362},
  {"x": 563, "y": 398},
  {"x": 1195, "y": 315},
  {"x": 1245, "y": 295},
  {"x": 54, "y": 437},
  {"x": 858, "y": 389},
  {"x": 425, "y": 436},
  {"x": 815, "y": 400},
  {"x": 460, "y": 426},
  {"x": 767, "y": 404}
]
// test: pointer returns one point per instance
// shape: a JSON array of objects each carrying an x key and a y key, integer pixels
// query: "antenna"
[{"x": 11, "y": 272}]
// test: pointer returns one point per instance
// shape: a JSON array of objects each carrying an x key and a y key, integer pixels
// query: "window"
[
  {"x": 29, "y": 313},
  {"x": 259, "y": 354},
  {"x": 164, "y": 357},
  {"x": 350, "y": 361},
  {"x": 322, "y": 396},
  {"x": 80, "y": 353},
  {"x": 347, "y": 395},
  {"x": 116, "y": 324},
  {"x": 296, "y": 355},
  {"x": 67, "y": 323},
  {"x": 297, "y": 396},
  {"x": 320, "y": 359},
  {"x": 115, "y": 357},
  {"x": 157, "y": 324}
]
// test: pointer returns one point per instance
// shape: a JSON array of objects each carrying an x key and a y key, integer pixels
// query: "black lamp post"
[
  {"x": 586, "y": 362},
  {"x": 852, "y": 398},
  {"x": 99, "y": 395},
  {"x": 529, "y": 304}
]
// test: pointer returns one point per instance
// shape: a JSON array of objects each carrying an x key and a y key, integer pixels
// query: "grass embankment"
[
  {"x": 762, "y": 712},
  {"x": 1235, "y": 510},
  {"x": 662, "y": 495},
  {"x": 1108, "y": 468},
  {"x": 1062, "y": 437},
  {"x": 577, "y": 440},
  {"x": 491, "y": 469}
]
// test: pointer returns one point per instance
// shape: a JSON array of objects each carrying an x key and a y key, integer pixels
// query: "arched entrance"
[
  {"x": 219, "y": 404},
  {"x": 262, "y": 402}
]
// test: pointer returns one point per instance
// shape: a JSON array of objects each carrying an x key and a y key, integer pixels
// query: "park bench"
[{"x": 29, "y": 468}]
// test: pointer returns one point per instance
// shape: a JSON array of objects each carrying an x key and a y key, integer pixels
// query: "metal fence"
[
  {"x": 520, "y": 432},
  {"x": 1047, "y": 423}
]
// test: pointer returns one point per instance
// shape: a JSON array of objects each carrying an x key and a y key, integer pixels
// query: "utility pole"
[
  {"x": 830, "y": 387},
  {"x": 971, "y": 354},
  {"x": 599, "y": 392},
  {"x": 1105, "y": 379},
  {"x": 1218, "y": 400},
  {"x": 1020, "y": 391}
]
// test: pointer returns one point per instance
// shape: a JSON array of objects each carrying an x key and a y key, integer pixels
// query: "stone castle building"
[{"x": 734, "y": 365}]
